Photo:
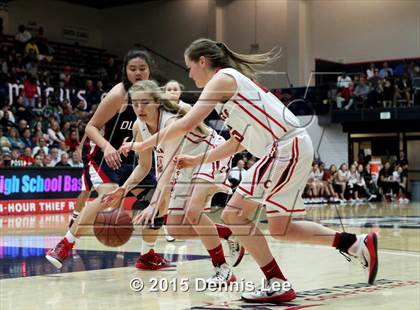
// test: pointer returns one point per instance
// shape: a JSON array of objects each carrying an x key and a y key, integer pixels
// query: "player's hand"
[
  {"x": 186, "y": 161},
  {"x": 147, "y": 216},
  {"x": 114, "y": 197},
  {"x": 112, "y": 157}
]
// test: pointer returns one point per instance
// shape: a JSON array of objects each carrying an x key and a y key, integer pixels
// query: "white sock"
[
  {"x": 146, "y": 247},
  {"x": 70, "y": 237},
  {"x": 354, "y": 248},
  {"x": 75, "y": 215}
]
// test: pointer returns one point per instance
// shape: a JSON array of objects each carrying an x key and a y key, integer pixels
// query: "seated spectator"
[
  {"x": 15, "y": 140},
  {"x": 370, "y": 185},
  {"x": 388, "y": 89},
  {"x": 53, "y": 106},
  {"x": 40, "y": 145},
  {"x": 75, "y": 160},
  {"x": 314, "y": 187},
  {"x": 4, "y": 141},
  {"x": 6, "y": 157},
  {"x": 401, "y": 68},
  {"x": 26, "y": 157},
  {"x": 384, "y": 70},
  {"x": 375, "y": 86},
  {"x": 73, "y": 141},
  {"x": 38, "y": 162},
  {"x": 27, "y": 139},
  {"x": 370, "y": 71},
  {"x": 64, "y": 162},
  {"x": 236, "y": 173},
  {"x": 21, "y": 38},
  {"x": 344, "y": 85},
  {"x": 402, "y": 160},
  {"x": 55, "y": 135},
  {"x": 7, "y": 119},
  {"x": 31, "y": 49},
  {"x": 402, "y": 90},
  {"x": 250, "y": 162},
  {"x": 359, "y": 95},
  {"x": 399, "y": 177},
  {"x": 341, "y": 179},
  {"x": 55, "y": 155},
  {"x": 386, "y": 183},
  {"x": 47, "y": 161},
  {"x": 42, "y": 42},
  {"x": 15, "y": 158},
  {"x": 39, "y": 133}
]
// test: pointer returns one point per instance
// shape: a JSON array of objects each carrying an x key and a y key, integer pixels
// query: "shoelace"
[
  {"x": 62, "y": 248},
  {"x": 159, "y": 259},
  {"x": 349, "y": 259},
  {"x": 233, "y": 246}
]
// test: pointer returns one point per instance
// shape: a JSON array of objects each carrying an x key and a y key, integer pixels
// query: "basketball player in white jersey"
[
  {"x": 261, "y": 124},
  {"x": 185, "y": 216}
]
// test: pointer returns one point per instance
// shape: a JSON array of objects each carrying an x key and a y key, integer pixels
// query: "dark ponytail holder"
[{"x": 220, "y": 44}]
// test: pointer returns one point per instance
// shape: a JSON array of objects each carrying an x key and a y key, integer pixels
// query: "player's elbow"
[{"x": 187, "y": 125}]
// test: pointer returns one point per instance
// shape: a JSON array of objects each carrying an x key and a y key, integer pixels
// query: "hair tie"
[{"x": 220, "y": 44}]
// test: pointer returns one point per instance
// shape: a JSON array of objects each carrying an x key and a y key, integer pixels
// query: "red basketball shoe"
[
  {"x": 58, "y": 255},
  {"x": 152, "y": 261}
]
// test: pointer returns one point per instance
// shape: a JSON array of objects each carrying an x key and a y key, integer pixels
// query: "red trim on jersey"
[
  {"x": 198, "y": 136},
  {"x": 284, "y": 208},
  {"x": 288, "y": 179},
  {"x": 103, "y": 176},
  {"x": 263, "y": 111},
  {"x": 251, "y": 192},
  {"x": 256, "y": 119},
  {"x": 199, "y": 141}
]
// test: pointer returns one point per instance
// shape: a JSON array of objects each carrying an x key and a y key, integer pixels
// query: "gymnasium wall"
[
  {"x": 54, "y": 16},
  {"x": 364, "y": 30},
  {"x": 330, "y": 142}
]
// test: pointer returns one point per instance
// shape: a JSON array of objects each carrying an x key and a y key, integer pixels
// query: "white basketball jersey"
[
  {"x": 255, "y": 116},
  {"x": 164, "y": 116}
]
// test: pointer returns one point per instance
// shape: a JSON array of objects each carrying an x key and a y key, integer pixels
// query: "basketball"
[{"x": 113, "y": 228}]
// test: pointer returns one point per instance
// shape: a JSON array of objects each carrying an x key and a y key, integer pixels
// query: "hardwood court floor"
[{"x": 97, "y": 277}]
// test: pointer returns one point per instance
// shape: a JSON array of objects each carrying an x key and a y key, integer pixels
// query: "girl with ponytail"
[
  {"x": 184, "y": 212},
  {"x": 260, "y": 123}
]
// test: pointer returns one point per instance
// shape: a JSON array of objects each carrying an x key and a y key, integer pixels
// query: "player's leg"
[
  {"x": 82, "y": 226},
  {"x": 80, "y": 203}
]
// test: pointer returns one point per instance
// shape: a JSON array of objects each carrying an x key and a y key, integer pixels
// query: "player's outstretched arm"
[{"x": 224, "y": 150}]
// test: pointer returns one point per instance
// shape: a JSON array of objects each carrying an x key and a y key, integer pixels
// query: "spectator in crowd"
[
  {"x": 236, "y": 173},
  {"x": 375, "y": 85},
  {"x": 386, "y": 69},
  {"x": 22, "y": 125},
  {"x": 98, "y": 92},
  {"x": 112, "y": 71},
  {"x": 401, "y": 68},
  {"x": 38, "y": 162},
  {"x": 173, "y": 91},
  {"x": 53, "y": 107},
  {"x": 90, "y": 95},
  {"x": 47, "y": 161},
  {"x": 73, "y": 141},
  {"x": 30, "y": 91},
  {"x": 41, "y": 145},
  {"x": 344, "y": 85},
  {"x": 15, "y": 140},
  {"x": 27, "y": 139},
  {"x": 75, "y": 160},
  {"x": 386, "y": 184},
  {"x": 371, "y": 187},
  {"x": 68, "y": 115},
  {"x": 341, "y": 179},
  {"x": 15, "y": 160},
  {"x": 31, "y": 49},
  {"x": 6, "y": 157},
  {"x": 42, "y": 43},
  {"x": 327, "y": 180},
  {"x": 402, "y": 160},
  {"x": 370, "y": 71},
  {"x": 5, "y": 120},
  {"x": 38, "y": 132},
  {"x": 4, "y": 141},
  {"x": 55, "y": 134},
  {"x": 388, "y": 90},
  {"x": 315, "y": 186},
  {"x": 359, "y": 95},
  {"x": 55, "y": 156},
  {"x": 65, "y": 77},
  {"x": 399, "y": 177},
  {"x": 402, "y": 90},
  {"x": 26, "y": 157},
  {"x": 21, "y": 38},
  {"x": 64, "y": 162}
]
